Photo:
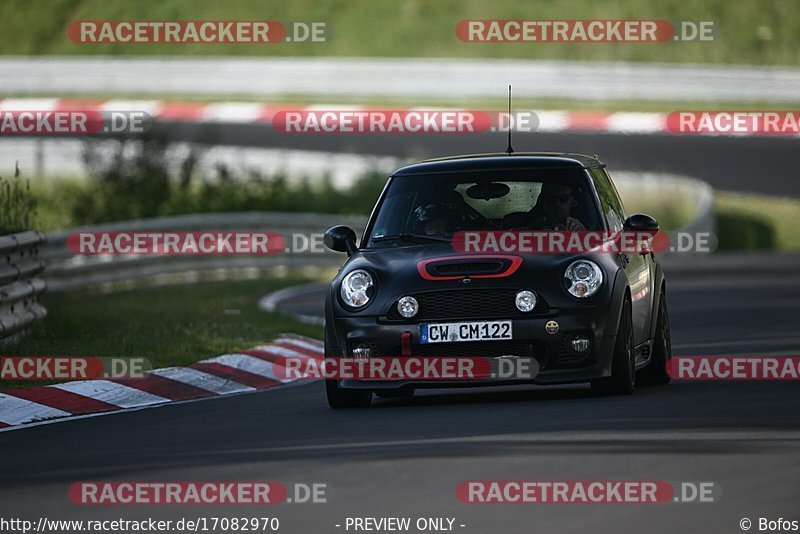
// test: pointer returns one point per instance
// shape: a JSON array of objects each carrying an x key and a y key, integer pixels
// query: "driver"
[
  {"x": 553, "y": 209},
  {"x": 442, "y": 216}
]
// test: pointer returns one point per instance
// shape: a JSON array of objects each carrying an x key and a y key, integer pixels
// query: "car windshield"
[{"x": 432, "y": 207}]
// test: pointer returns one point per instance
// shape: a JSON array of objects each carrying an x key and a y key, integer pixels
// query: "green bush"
[
  {"x": 757, "y": 222},
  {"x": 142, "y": 179},
  {"x": 130, "y": 181},
  {"x": 744, "y": 231}
]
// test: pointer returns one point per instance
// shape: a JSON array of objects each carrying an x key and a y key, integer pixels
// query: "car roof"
[{"x": 500, "y": 161}]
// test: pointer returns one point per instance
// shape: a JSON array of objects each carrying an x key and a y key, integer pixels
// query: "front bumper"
[{"x": 556, "y": 363}]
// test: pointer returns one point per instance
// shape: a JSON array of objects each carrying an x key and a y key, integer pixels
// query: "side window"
[{"x": 609, "y": 200}]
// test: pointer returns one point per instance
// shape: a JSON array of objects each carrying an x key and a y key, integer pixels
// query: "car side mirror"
[
  {"x": 341, "y": 239},
  {"x": 639, "y": 222}
]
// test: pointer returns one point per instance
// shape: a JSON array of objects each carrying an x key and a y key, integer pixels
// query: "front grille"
[
  {"x": 464, "y": 304},
  {"x": 471, "y": 268},
  {"x": 486, "y": 349}
]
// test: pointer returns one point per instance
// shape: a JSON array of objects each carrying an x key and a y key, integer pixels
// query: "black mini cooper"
[{"x": 579, "y": 316}]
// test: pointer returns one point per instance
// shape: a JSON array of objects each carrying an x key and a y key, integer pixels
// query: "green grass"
[
  {"x": 757, "y": 222},
  {"x": 55, "y": 201},
  {"x": 763, "y": 32},
  {"x": 170, "y": 325}
]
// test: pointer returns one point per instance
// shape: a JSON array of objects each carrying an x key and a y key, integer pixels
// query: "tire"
[
  {"x": 399, "y": 393},
  {"x": 346, "y": 398},
  {"x": 657, "y": 371},
  {"x": 623, "y": 365}
]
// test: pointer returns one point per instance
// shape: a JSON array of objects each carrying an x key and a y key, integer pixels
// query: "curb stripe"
[
  {"x": 232, "y": 373},
  {"x": 275, "y": 354},
  {"x": 199, "y": 379},
  {"x": 314, "y": 347},
  {"x": 112, "y": 393},
  {"x": 182, "y": 111},
  {"x": 250, "y": 364},
  {"x": 315, "y": 354},
  {"x": 637, "y": 123},
  {"x": 273, "y": 358},
  {"x": 151, "y": 107},
  {"x": 244, "y": 371},
  {"x": 625, "y": 122},
  {"x": 77, "y": 104},
  {"x": 14, "y": 410},
  {"x": 164, "y": 387},
  {"x": 311, "y": 342},
  {"x": 588, "y": 121},
  {"x": 233, "y": 112},
  {"x": 69, "y": 402},
  {"x": 28, "y": 104}
]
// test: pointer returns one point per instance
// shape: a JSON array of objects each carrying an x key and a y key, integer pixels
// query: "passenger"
[{"x": 553, "y": 209}]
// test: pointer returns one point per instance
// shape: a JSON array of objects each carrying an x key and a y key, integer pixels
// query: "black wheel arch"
[
  {"x": 621, "y": 290},
  {"x": 659, "y": 289}
]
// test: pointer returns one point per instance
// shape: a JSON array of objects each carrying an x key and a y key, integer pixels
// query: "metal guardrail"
[
  {"x": 20, "y": 283},
  {"x": 270, "y": 77},
  {"x": 66, "y": 270}
]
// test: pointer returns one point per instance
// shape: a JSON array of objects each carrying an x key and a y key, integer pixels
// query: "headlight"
[
  {"x": 407, "y": 307},
  {"x": 355, "y": 288},
  {"x": 526, "y": 300},
  {"x": 585, "y": 278}
]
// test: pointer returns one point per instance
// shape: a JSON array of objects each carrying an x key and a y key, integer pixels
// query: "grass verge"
[
  {"x": 170, "y": 326},
  {"x": 766, "y": 32}
]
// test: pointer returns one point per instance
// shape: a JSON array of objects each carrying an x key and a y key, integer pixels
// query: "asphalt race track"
[
  {"x": 406, "y": 457},
  {"x": 721, "y": 160}
]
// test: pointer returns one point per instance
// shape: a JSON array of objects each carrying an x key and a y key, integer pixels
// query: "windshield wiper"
[{"x": 410, "y": 237}]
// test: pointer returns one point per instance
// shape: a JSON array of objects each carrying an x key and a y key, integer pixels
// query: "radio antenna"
[{"x": 509, "y": 149}]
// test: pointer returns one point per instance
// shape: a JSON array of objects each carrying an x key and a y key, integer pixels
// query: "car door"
[{"x": 637, "y": 267}]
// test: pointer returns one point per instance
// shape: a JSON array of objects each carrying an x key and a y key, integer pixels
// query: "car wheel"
[
  {"x": 399, "y": 393},
  {"x": 657, "y": 371},
  {"x": 346, "y": 398},
  {"x": 623, "y": 365}
]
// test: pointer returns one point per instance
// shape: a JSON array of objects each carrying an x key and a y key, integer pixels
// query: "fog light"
[
  {"x": 580, "y": 343},
  {"x": 408, "y": 307},
  {"x": 525, "y": 301},
  {"x": 362, "y": 350}
]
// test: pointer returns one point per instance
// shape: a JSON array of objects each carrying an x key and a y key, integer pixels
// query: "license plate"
[{"x": 473, "y": 331}]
